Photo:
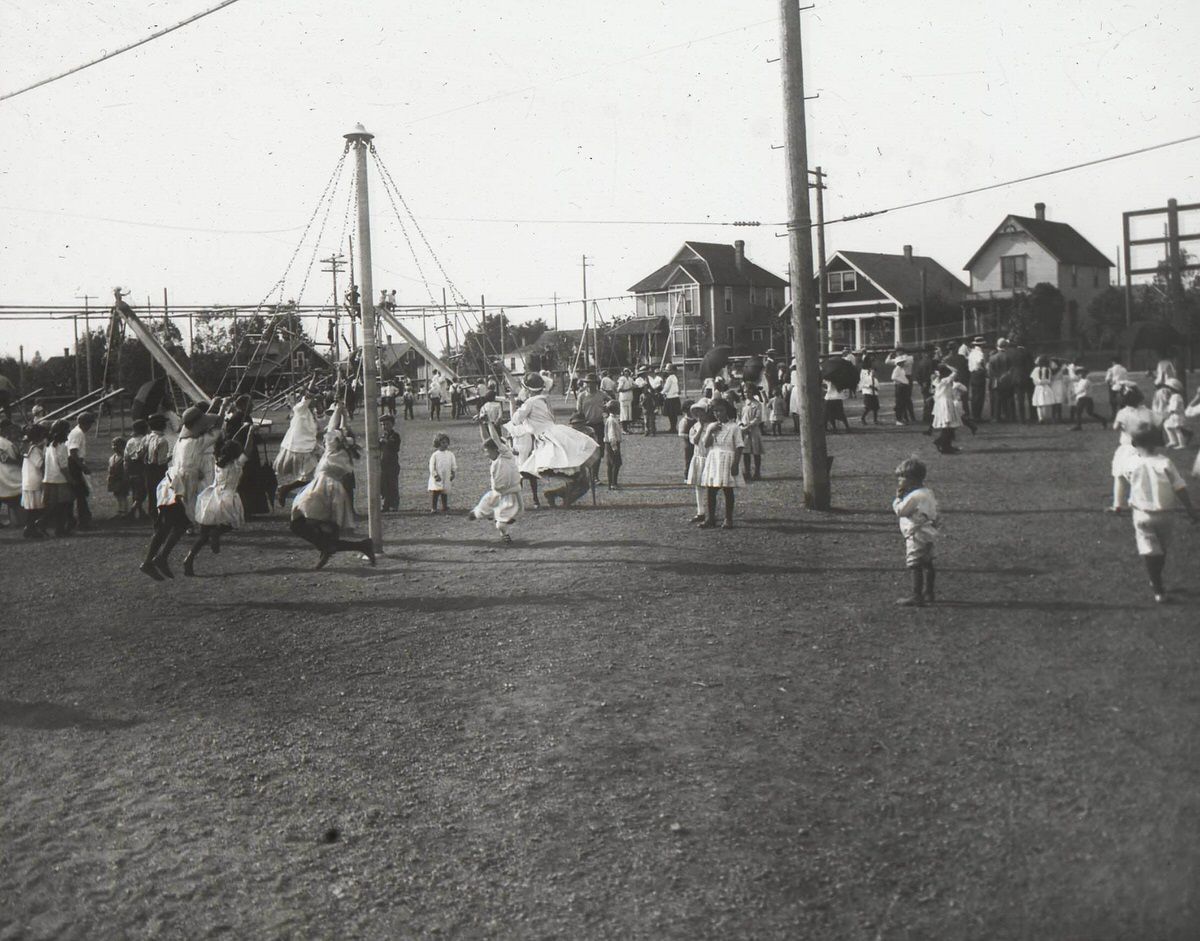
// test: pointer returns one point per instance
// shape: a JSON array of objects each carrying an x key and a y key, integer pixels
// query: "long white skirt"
[
  {"x": 560, "y": 450},
  {"x": 718, "y": 469},
  {"x": 295, "y": 467},
  {"x": 325, "y": 499},
  {"x": 218, "y": 506}
]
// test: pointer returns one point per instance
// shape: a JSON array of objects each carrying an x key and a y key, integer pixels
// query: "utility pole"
[
  {"x": 87, "y": 336},
  {"x": 336, "y": 263},
  {"x": 595, "y": 340},
  {"x": 360, "y": 140},
  {"x": 822, "y": 287},
  {"x": 814, "y": 465},
  {"x": 75, "y": 350},
  {"x": 556, "y": 310}
]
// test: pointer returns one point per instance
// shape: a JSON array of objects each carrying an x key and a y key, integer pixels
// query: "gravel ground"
[{"x": 621, "y": 726}]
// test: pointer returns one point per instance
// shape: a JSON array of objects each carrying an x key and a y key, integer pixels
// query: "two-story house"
[
  {"x": 881, "y": 301},
  {"x": 1023, "y": 252},
  {"x": 713, "y": 295}
]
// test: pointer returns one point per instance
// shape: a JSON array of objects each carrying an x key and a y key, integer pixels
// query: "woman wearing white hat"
[{"x": 542, "y": 445}]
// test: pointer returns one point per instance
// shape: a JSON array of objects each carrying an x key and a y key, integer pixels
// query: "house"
[
  {"x": 880, "y": 301},
  {"x": 554, "y": 349},
  {"x": 641, "y": 340},
  {"x": 1023, "y": 252},
  {"x": 713, "y": 295}
]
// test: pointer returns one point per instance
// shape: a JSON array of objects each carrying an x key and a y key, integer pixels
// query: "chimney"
[
  {"x": 739, "y": 254},
  {"x": 1039, "y": 211},
  {"x": 908, "y": 253}
]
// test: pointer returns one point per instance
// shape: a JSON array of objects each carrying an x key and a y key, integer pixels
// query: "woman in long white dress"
[
  {"x": 1043, "y": 389},
  {"x": 544, "y": 447}
]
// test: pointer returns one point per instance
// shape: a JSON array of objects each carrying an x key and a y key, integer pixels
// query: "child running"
[
  {"x": 1155, "y": 486},
  {"x": 442, "y": 469},
  {"x": 917, "y": 509},
  {"x": 502, "y": 502},
  {"x": 1131, "y": 417},
  {"x": 1081, "y": 390}
]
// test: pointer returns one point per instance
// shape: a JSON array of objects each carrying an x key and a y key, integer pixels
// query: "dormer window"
[{"x": 840, "y": 282}]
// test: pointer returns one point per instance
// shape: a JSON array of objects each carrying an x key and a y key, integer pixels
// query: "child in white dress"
[
  {"x": 442, "y": 469},
  {"x": 218, "y": 505},
  {"x": 1173, "y": 416},
  {"x": 33, "y": 466},
  {"x": 1043, "y": 389},
  {"x": 502, "y": 502},
  {"x": 917, "y": 509},
  {"x": 723, "y": 439},
  {"x": 700, "y": 418},
  {"x": 1132, "y": 417}
]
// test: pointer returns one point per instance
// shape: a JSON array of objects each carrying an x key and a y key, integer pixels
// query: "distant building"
[
  {"x": 554, "y": 350},
  {"x": 1023, "y": 252},
  {"x": 875, "y": 300},
  {"x": 713, "y": 295}
]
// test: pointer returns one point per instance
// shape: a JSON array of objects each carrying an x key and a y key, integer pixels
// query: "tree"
[{"x": 1035, "y": 317}]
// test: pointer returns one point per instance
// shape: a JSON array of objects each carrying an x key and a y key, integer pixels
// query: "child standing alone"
[
  {"x": 442, "y": 468},
  {"x": 917, "y": 509},
  {"x": 723, "y": 441},
  {"x": 613, "y": 433},
  {"x": 1155, "y": 485}
]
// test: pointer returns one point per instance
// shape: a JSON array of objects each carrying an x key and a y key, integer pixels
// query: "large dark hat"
[
  {"x": 592, "y": 377},
  {"x": 533, "y": 382},
  {"x": 196, "y": 422},
  {"x": 157, "y": 421}
]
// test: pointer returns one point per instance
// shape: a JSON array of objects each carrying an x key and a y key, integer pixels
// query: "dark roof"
[
  {"x": 1059, "y": 239},
  {"x": 639, "y": 326},
  {"x": 900, "y": 276},
  {"x": 709, "y": 263}
]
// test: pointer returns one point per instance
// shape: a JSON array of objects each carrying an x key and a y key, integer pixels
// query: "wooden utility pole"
[
  {"x": 87, "y": 337},
  {"x": 360, "y": 140},
  {"x": 822, "y": 287},
  {"x": 813, "y": 463},
  {"x": 335, "y": 263}
]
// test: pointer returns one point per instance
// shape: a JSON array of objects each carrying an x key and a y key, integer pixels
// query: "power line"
[
  {"x": 117, "y": 52},
  {"x": 1024, "y": 179}
]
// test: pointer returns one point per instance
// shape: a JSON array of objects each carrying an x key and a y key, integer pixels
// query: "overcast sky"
[{"x": 524, "y": 135}]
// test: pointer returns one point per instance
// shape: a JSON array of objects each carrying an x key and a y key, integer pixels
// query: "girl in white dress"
[
  {"x": 322, "y": 510},
  {"x": 947, "y": 412},
  {"x": 1132, "y": 417},
  {"x": 723, "y": 439},
  {"x": 1043, "y": 389},
  {"x": 219, "y": 506},
  {"x": 700, "y": 418},
  {"x": 442, "y": 468},
  {"x": 299, "y": 451},
  {"x": 1174, "y": 414}
]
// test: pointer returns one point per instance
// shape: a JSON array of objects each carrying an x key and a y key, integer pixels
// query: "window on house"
[
  {"x": 771, "y": 298},
  {"x": 1012, "y": 272},
  {"x": 842, "y": 281},
  {"x": 756, "y": 335},
  {"x": 1074, "y": 276},
  {"x": 753, "y": 294},
  {"x": 729, "y": 300},
  {"x": 729, "y": 335},
  {"x": 1095, "y": 277}
]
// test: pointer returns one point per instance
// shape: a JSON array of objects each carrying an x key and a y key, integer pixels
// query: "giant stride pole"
[
  {"x": 813, "y": 462},
  {"x": 360, "y": 140}
]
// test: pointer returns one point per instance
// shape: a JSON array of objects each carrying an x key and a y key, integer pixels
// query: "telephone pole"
[
  {"x": 595, "y": 340},
  {"x": 360, "y": 140},
  {"x": 336, "y": 263},
  {"x": 822, "y": 287},
  {"x": 87, "y": 336},
  {"x": 813, "y": 452}
]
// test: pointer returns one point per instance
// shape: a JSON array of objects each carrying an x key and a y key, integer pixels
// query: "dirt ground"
[{"x": 621, "y": 726}]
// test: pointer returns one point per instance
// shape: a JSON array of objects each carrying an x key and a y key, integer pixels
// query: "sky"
[{"x": 525, "y": 135}]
